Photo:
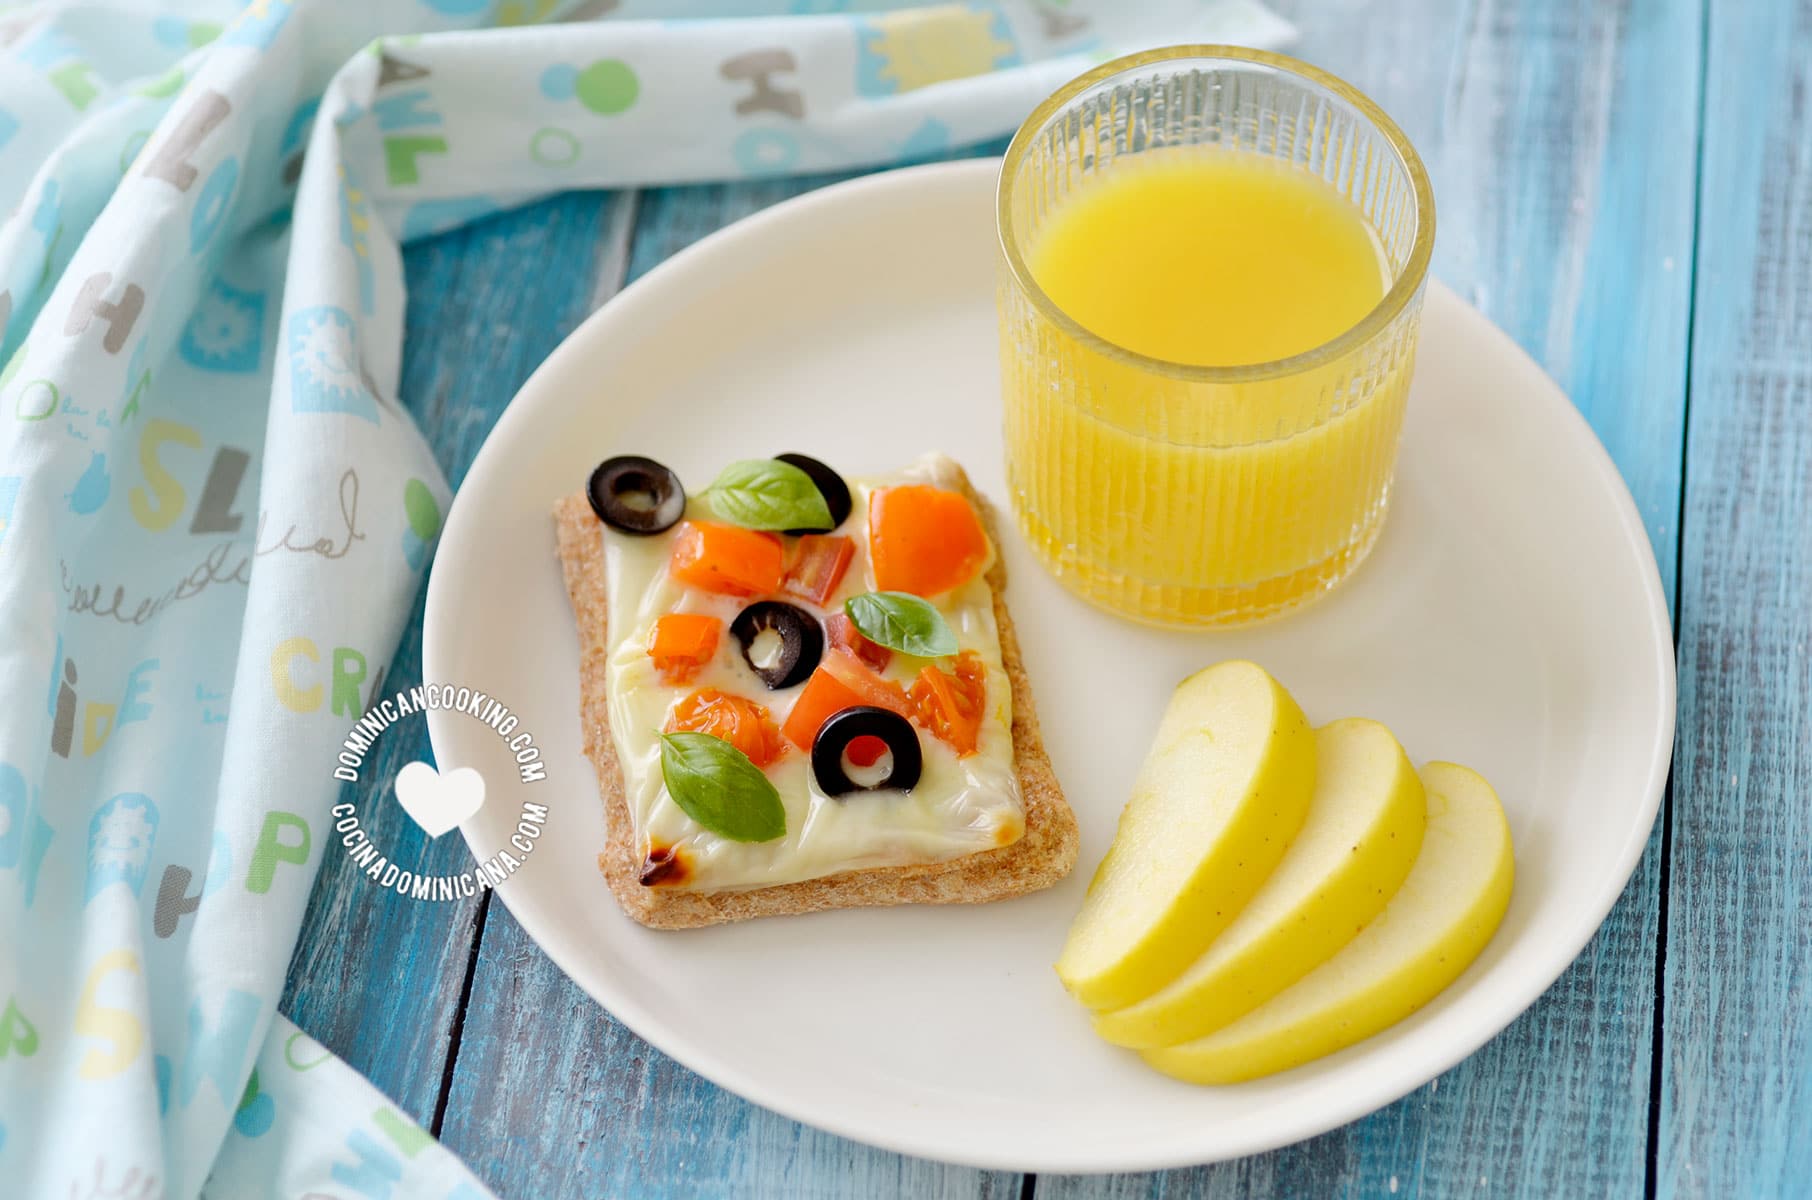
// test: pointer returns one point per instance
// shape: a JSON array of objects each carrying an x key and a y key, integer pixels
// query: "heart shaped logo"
[{"x": 438, "y": 802}]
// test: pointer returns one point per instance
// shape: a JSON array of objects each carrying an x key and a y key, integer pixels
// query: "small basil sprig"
[
  {"x": 902, "y": 621},
  {"x": 765, "y": 493},
  {"x": 716, "y": 785}
]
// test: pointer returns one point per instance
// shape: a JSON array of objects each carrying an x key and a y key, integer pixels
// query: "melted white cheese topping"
[{"x": 959, "y": 806}]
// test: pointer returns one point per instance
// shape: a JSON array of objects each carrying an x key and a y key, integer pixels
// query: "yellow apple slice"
[
  {"x": 1223, "y": 790},
  {"x": 1365, "y": 823},
  {"x": 1431, "y": 930}
]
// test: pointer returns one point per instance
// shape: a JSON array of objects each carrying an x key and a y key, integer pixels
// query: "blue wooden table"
[{"x": 1626, "y": 187}]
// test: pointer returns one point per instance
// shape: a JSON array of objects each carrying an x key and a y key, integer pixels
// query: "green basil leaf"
[
  {"x": 765, "y": 493},
  {"x": 902, "y": 621},
  {"x": 716, "y": 785}
]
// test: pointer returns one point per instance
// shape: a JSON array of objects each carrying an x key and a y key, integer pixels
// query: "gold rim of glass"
[{"x": 1407, "y": 283}]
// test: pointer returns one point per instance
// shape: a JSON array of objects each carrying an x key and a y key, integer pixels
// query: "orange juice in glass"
[{"x": 1213, "y": 265}]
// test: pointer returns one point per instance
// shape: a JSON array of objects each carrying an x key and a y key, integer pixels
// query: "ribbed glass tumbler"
[{"x": 1191, "y": 495}]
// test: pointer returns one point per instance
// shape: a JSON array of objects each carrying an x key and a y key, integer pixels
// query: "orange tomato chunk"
[
  {"x": 874, "y": 690},
  {"x": 726, "y": 558},
  {"x": 840, "y": 682},
  {"x": 818, "y": 567},
  {"x": 924, "y": 540},
  {"x": 681, "y": 643},
  {"x": 740, "y": 722},
  {"x": 950, "y": 703},
  {"x": 845, "y": 636}
]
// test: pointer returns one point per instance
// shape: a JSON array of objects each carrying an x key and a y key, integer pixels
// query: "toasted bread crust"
[{"x": 1044, "y": 855}]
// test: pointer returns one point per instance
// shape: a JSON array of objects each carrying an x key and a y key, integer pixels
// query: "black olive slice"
[
  {"x": 636, "y": 495},
  {"x": 844, "y": 727},
  {"x": 801, "y": 642},
  {"x": 830, "y": 486}
]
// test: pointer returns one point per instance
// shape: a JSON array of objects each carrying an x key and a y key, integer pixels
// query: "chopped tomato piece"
[
  {"x": 874, "y": 690},
  {"x": 823, "y": 697},
  {"x": 840, "y": 682},
  {"x": 726, "y": 558},
  {"x": 740, "y": 722},
  {"x": 818, "y": 567},
  {"x": 846, "y": 637},
  {"x": 681, "y": 643},
  {"x": 924, "y": 539},
  {"x": 950, "y": 703},
  {"x": 865, "y": 751}
]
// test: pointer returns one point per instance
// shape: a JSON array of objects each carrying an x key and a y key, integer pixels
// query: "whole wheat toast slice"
[{"x": 1044, "y": 855}]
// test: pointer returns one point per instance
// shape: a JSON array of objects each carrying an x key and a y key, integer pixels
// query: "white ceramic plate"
[{"x": 1511, "y": 619}]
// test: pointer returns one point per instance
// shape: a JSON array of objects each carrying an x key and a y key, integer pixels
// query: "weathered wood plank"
[
  {"x": 487, "y": 303},
  {"x": 1736, "y": 1090},
  {"x": 1560, "y": 137}
]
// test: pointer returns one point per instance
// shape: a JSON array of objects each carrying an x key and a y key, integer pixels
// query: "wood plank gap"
[
  {"x": 1651, "y": 1167},
  {"x": 1028, "y": 1186},
  {"x": 608, "y": 270},
  {"x": 1658, "y": 1035},
  {"x": 459, "y": 1013},
  {"x": 612, "y": 264}
]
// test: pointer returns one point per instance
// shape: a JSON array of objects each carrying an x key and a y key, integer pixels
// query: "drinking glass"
[{"x": 1187, "y": 495}]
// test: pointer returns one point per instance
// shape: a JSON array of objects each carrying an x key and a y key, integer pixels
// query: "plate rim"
[{"x": 1495, "y": 1014}]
